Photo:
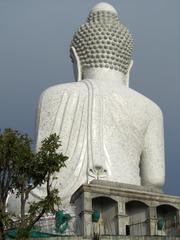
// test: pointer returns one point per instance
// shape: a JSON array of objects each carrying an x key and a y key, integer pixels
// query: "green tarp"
[
  {"x": 61, "y": 221},
  {"x": 34, "y": 234},
  {"x": 95, "y": 216},
  {"x": 61, "y": 225}
]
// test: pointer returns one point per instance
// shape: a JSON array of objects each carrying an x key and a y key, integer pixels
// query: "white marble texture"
[
  {"x": 108, "y": 130},
  {"x": 105, "y": 124}
]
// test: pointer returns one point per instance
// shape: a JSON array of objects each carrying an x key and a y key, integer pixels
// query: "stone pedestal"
[
  {"x": 126, "y": 209},
  {"x": 86, "y": 213},
  {"x": 152, "y": 218},
  {"x": 121, "y": 218}
]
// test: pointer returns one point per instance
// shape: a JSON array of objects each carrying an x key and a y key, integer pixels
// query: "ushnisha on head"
[{"x": 103, "y": 42}]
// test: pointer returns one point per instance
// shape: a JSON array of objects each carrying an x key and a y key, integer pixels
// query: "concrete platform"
[
  {"x": 113, "y": 238},
  {"x": 127, "y": 210}
]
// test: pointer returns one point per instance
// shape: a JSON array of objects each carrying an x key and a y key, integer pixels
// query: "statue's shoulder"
[
  {"x": 52, "y": 103},
  {"x": 145, "y": 103},
  {"x": 66, "y": 88}
]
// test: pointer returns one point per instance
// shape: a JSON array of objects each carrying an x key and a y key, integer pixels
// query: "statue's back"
[
  {"x": 108, "y": 130},
  {"x": 102, "y": 125}
]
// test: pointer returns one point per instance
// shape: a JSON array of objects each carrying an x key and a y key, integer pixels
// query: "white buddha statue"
[{"x": 108, "y": 130}]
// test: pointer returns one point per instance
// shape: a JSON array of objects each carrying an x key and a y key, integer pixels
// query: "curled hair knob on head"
[
  {"x": 103, "y": 6},
  {"x": 102, "y": 37}
]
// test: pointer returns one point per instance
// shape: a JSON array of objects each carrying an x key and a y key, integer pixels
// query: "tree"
[
  {"x": 22, "y": 171},
  {"x": 13, "y": 147},
  {"x": 46, "y": 162}
]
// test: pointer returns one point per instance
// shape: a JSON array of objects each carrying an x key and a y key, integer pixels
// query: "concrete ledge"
[
  {"x": 112, "y": 238},
  {"x": 126, "y": 186},
  {"x": 103, "y": 188}
]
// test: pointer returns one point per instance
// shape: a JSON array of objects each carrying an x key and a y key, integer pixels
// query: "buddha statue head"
[{"x": 102, "y": 42}]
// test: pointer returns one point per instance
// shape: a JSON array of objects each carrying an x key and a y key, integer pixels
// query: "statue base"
[{"x": 125, "y": 210}]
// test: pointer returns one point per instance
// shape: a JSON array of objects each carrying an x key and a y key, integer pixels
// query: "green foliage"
[
  {"x": 50, "y": 203},
  {"x": 23, "y": 234},
  {"x": 5, "y": 218},
  {"x": 48, "y": 160},
  {"x": 15, "y": 157},
  {"x": 15, "y": 153},
  {"x": 21, "y": 171}
]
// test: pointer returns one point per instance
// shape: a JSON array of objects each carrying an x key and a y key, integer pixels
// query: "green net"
[
  {"x": 61, "y": 225},
  {"x": 160, "y": 224},
  {"x": 95, "y": 216},
  {"x": 62, "y": 220},
  {"x": 34, "y": 234}
]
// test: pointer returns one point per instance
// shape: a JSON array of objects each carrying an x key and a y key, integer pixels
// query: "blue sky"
[{"x": 34, "y": 54}]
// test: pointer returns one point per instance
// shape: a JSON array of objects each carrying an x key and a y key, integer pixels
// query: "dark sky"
[{"x": 34, "y": 54}]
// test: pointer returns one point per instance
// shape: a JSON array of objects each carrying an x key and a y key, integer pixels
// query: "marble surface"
[
  {"x": 105, "y": 127},
  {"x": 108, "y": 130}
]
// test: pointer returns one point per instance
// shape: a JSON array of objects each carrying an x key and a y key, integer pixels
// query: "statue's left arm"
[{"x": 152, "y": 158}]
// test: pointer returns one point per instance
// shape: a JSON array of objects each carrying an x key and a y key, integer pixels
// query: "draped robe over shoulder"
[{"x": 98, "y": 126}]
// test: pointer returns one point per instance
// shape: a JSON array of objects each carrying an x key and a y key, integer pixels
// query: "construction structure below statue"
[{"x": 114, "y": 209}]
